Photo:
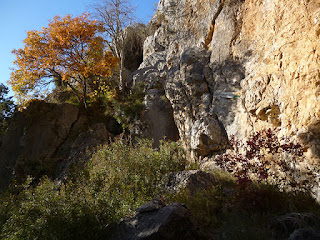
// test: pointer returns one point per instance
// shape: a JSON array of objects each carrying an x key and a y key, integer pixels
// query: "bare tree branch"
[{"x": 115, "y": 15}]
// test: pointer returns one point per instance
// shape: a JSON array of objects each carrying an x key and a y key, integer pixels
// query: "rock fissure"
[
  {"x": 209, "y": 37},
  {"x": 67, "y": 135}
]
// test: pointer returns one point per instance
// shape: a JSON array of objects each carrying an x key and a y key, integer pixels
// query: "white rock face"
[{"x": 266, "y": 53}]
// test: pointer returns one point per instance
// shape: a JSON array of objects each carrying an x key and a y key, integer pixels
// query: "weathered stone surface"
[
  {"x": 192, "y": 180},
  {"x": 281, "y": 88},
  {"x": 266, "y": 53},
  {"x": 75, "y": 151},
  {"x": 134, "y": 37},
  {"x": 152, "y": 72},
  {"x": 155, "y": 204},
  {"x": 34, "y": 137},
  {"x": 45, "y": 139},
  {"x": 133, "y": 46},
  {"x": 170, "y": 222},
  {"x": 187, "y": 21},
  {"x": 158, "y": 119},
  {"x": 187, "y": 88}
]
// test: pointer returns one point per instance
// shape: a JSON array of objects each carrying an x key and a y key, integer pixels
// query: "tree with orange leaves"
[{"x": 70, "y": 51}]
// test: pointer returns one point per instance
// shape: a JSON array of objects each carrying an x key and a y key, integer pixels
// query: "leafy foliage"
[
  {"x": 118, "y": 179},
  {"x": 126, "y": 106},
  {"x": 266, "y": 158},
  {"x": 7, "y": 108},
  {"x": 70, "y": 51}
]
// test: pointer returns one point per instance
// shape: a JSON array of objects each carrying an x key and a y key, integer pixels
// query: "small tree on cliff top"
[
  {"x": 70, "y": 51},
  {"x": 115, "y": 15}
]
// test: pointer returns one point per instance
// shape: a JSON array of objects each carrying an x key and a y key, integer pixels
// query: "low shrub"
[
  {"x": 230, "y": 210},
  {"x": 119, "y": 178},
  {"x": 126, "y": 105}
]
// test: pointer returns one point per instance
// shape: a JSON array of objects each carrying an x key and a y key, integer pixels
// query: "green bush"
[
  {"x": 117, "y": 180},
  {"x": 125, "y": 106}
]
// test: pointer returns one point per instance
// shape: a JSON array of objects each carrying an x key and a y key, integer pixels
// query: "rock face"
[
  {"x": 134, "y": 37},
  {"x": 169, "y": 222},
  {"x": 239, "y": 65},
  {"x": 158, "y": 119},
  {"x": 45, "y": 139},
  {"x": 187, "y": 88},
  {"x": 281, "y": 88}
]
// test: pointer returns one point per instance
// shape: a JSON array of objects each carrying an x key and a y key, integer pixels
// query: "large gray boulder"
[
  {"x": 191, "y": 180},
  {"x": 166, "y": 223}
]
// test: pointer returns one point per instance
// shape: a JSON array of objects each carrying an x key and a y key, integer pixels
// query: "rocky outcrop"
[
  {"x": 168, "y": 222},
  {"x": 132, "y": 55},
  {"x": 133, "y": 46},
  {"x": 158, "y": 122},
  {"x": 34, "y": 137},
  {"x": 193, "y": 85},
  {"x": 281, "y": 88},
  {"x": 256, "y": 67},
  {"x": 46, "y": 138},
  {"x": 187, "y": 88}
]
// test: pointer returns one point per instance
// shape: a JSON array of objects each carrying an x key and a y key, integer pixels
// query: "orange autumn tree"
[{"x": 70, "y": 51}]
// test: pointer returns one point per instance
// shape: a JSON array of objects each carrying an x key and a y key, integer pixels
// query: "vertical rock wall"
[
  {"x": 248, "y": 64},
  {"x": 281, "y": 88}
]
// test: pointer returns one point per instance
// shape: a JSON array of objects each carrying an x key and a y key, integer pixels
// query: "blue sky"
[{"x": 19, "y": 16}]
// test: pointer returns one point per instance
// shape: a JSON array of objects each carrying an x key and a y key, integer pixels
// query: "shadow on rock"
[
  {"x": 311, "y": 138},
  {"x": 166, "y": 223}
]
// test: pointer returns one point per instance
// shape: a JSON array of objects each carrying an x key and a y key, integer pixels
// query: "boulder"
[
  {"x": 191, "y": 180},
  {"x": 166, "y": 223}
]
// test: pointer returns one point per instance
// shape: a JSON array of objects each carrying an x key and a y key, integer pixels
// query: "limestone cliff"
[{"x": 239, "y": 66}]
